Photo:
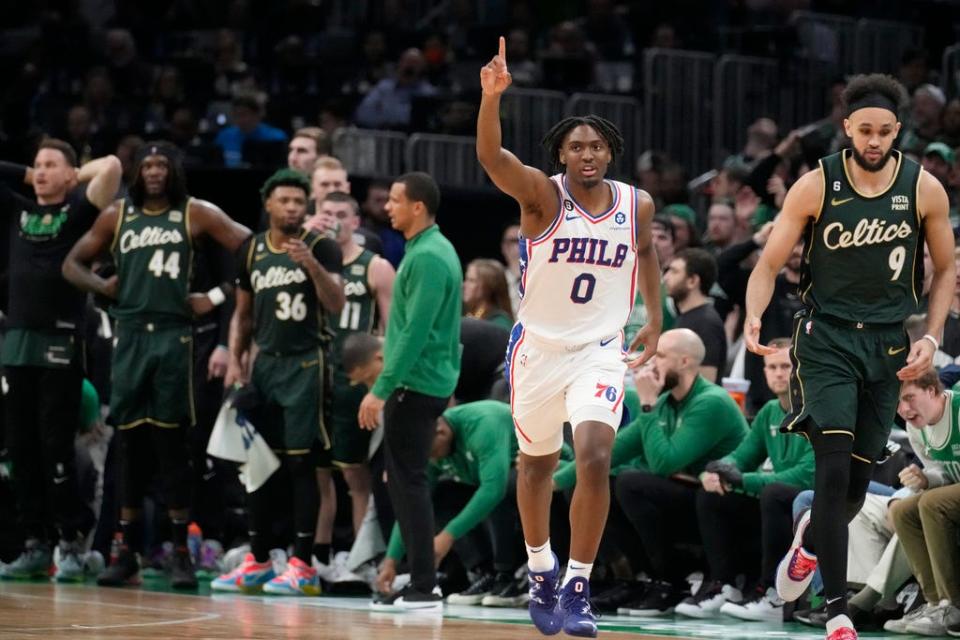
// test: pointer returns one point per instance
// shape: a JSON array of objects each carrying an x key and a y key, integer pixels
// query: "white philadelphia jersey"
[{"x": 578, "y": 278}]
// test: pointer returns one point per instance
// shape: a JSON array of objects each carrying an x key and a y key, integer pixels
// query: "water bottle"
[{"x": 194, "y": 541}]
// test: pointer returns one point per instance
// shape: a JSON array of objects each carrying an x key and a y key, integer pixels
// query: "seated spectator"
[
  {"x": 389, "y": 104},
  {"x": 376, "y": 220},
  {"x": 510, "y": 250},
  {"x": 662, "y": 235},
  {"x": 485, "y": 294},
  {"x": 684, "y": 221},
  {"x": 926, "y": 107},
  {"x": 688, "y": 278},
  {"x": 927, "y": 523},
  {"x": 523, "y": 69},
  {"x": 684, "y": 423},
  {"x": 721, "y": 227},
  {"x": 472, "y": 454},
  {"x": 744, "y": 507},
  {"x": 481, "y": 363},
  {"x": 938, "y": 159},
  {"x": 248, "y": 125}
]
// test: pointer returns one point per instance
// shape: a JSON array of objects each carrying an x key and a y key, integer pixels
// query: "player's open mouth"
[{"x": 588, "y": 170}]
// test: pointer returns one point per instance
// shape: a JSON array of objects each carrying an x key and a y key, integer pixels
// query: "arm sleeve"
[
  {"x": 328, "y": 254},
  {"x": 698, "y": 435},
  {"x": 494, "y": 474},
  {"x": 422, "y": 310},
  {"x": 242, "y": 257}
]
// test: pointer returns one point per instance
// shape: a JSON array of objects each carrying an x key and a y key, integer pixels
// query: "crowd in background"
[{"x": 713, "y": 500}]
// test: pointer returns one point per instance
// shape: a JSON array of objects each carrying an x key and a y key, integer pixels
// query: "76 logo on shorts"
[{"x": 606, "y": 391}]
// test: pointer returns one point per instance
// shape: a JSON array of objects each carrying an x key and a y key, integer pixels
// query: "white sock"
[
  {"x": 838, "y": 622},
  {"x": 540, "y": 558},
  {"x": 576, "y": 569}
]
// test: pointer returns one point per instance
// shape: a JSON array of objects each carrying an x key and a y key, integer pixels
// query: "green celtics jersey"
[
  {"x": 941, "y": 441},
  {"x": 360, "y": 311},
  {"x": 153, "y": 252},
  {"x": 287, "y": 317},
  {"x": 863, "y": 257}
]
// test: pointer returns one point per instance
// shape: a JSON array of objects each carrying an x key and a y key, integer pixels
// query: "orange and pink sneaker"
[{"x": 300, "y": 579}]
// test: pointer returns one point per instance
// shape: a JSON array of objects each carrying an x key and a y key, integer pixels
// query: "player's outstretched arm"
[
  {"x": 801, "y": 204},
  {"x": 94, "y": 243},
  {"x": 934, "y": 207},
  {"x": 527, "y": 185}
]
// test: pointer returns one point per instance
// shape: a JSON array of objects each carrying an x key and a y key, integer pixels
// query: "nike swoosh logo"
[
  {"x": 60, "y": 480},
  {"x": 837, "y": 203},
  {"x": 130, "y": 218},
  {"x": 892, "y": 352},
  {"x": 573, "y": 217},
  {"x": 604, "y": 343}
]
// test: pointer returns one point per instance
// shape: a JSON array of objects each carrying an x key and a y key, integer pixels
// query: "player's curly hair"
[
  {"x": 553, "y": 140},
  {"x": 863, "y": 85},
  {"x": 285, "y": 178}
]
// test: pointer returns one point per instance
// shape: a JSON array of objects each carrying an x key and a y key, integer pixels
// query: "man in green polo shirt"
[
  {"x": 421, "y": 364},
  {"x": 685, "y": 421},
  {"x": 746, "y": 503}
]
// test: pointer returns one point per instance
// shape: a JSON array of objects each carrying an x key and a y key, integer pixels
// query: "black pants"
[
  {"x": 663, "y": 513},
  {"x": 410, "y": 422},
  {"x": 737, "y": 530},
  {"x": 43, "y": 409},
  {"x": 146, "y": 449},
  {"x": 493, "y": 541}
]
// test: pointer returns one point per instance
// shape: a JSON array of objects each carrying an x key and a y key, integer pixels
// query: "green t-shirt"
[{"x": 790, "y": 455}]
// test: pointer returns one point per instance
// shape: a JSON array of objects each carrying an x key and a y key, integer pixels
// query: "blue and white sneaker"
[
  {"x": 543, "y": 599},
  {"x": 250, "y": 576},
  {"x": 578, "y": 619}
]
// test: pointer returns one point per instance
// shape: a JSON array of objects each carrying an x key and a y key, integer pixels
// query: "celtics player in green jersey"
[
  {"x": 288, "y": 281},
  {"x": 367, "y": 285},
  {"x": 864, "y": 215},
  {"x": 151, "y": 235}
]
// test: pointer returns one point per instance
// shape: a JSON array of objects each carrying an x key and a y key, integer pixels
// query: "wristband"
[
  {"x": 936, "y": 345},
  {"x": 217, "y": 297}
]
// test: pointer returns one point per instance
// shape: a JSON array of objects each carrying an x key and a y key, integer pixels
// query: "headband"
[
  {"x": 165, "y": 149},
  {"x": 873, "y": 100}
]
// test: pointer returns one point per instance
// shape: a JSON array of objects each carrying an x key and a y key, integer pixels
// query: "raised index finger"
[{"x": 503, "y": 49}]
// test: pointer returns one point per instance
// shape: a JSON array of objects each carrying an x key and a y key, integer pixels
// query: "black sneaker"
[
  {"x": 510, "y": 592},
  {"x": 473, "y": 595},
  {"x": 182, "y": 573},
  {"x": 609, "y": 600},
  {"x": 410, "y": 598},
  {"x": 953, "y": 630},
  {"x": 659, "y": 599},
  {"x": 124, "y": 570}
]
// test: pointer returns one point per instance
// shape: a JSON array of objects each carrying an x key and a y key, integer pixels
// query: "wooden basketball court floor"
[{"x": 85, "y": 611}]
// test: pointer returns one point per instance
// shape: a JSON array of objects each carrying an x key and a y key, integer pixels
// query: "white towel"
[{"x": 234, "y": 438}]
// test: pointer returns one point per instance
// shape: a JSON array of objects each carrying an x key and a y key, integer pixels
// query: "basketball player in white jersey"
[{"x": 585, "y": 246}]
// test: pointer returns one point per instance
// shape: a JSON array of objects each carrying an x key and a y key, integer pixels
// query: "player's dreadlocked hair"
[{"x": 607, "y": 130}]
